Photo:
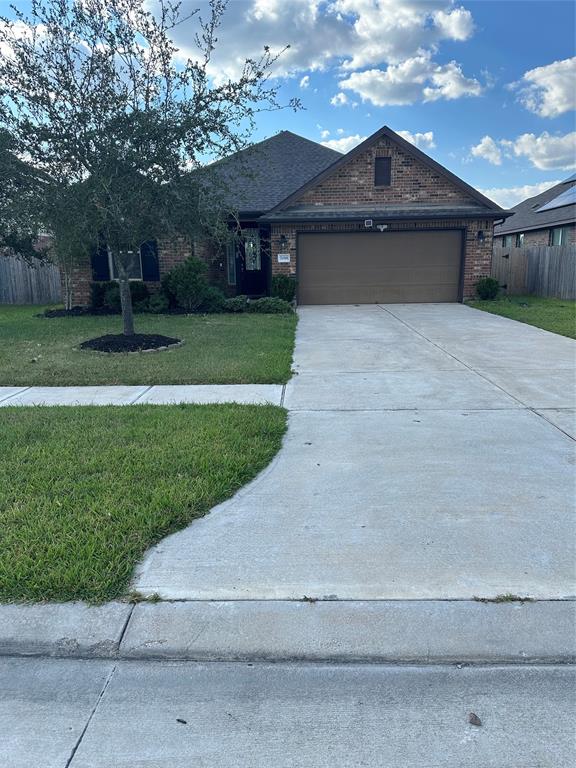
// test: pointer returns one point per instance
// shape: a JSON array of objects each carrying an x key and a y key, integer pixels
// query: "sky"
[{"x": 487, "y": 87}]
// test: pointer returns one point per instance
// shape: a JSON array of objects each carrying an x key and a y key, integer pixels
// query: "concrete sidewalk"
[{"x": 250, "y": 394}]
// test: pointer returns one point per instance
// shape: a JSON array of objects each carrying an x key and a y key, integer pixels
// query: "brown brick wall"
[
  {"x": 538, "y": 237},
  {"x": 412, "y": 181},
  {"x": 478, "y": 255}
]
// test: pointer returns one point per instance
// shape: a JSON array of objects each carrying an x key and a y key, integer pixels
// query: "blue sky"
[
  {"x": 492, "y": 81},
  {"x": 487, "y": 88}
]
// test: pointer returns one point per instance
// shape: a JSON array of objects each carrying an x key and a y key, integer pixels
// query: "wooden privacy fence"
[
  {"x": 22, "y": 282},
  {"x": 540, "y": 270}
]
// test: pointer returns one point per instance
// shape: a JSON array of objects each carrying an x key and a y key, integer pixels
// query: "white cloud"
[
  {"x": 415, "y": 79},
  {"x": 510, "y": 196},
  {"x": 305, "y": 81},
  {"x": 545, "y": 152},
  {"x": 324, "y": 134},
  {"x": 456, "y": 24},
  {"x": 550, "y": 90},
  {"x": 339, "y": 100},
  {"x": 489, "y": 150},
  {"x": 354, "y": 34},
  {"x": 420, "y": 140},
  {"x": 344, "y": 144}
]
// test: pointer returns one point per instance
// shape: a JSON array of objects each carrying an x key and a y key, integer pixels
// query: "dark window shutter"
[
  {"x": 150, "y": 265},
  {"x": 100, "y": 263},
  {"x": 382, "y": 171}
]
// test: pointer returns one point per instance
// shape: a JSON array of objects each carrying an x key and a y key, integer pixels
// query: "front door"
[{"x": 251, "y": 275}]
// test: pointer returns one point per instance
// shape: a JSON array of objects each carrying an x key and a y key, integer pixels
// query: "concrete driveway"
[{"x": 429, "y": 455}]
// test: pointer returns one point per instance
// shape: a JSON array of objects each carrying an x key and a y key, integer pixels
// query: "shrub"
[
  {"x": 97, "y": 292},
  {"x": 487, "y": 288},
  {"x": 270, "y": 305},
  {"x": 188, "y": 285},
  {"x": 138, "y": 291},
  {"x": 237, "y": 304},
  {"x": 112, "y": 297},
  {"x": 284, "y": 287},
  {"x": 213, "y": 301},
  {"x": 158, "y": 303}
]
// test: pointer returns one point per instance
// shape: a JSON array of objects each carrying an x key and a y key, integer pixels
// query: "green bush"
[
  {"x": 213, "y": 301},
  {"x": 270, "y": 305},
  {"x": 97, "y": 292},
  {"x": 138, "y": 291},
  {"x": 487, "y": 288},
  {"x": 284, "y": 287},
  {"x": 158, "y": 303},
  {"x": 237, "y": 304},
  {"x": 188, "y": 285}
]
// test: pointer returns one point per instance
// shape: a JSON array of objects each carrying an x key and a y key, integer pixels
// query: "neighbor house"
[
  {"x": 546, "y": 219},
  {"x": 383, "y": 223}
]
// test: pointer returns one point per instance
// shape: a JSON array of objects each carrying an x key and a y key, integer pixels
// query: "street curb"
[
  {"x": 63, "y": 629},
  {"x": 386, "y": 631}
]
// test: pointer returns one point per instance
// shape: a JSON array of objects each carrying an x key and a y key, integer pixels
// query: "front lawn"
[
  {"x": 217, "y": 349},
  {"x": 556, "y": 315},
  {"x": 84, "y": 491}
]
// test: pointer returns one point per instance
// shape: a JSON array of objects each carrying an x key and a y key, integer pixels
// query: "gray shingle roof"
[
  {"x": 527, "y": 216},
  {"x": 262, "y": 175}
]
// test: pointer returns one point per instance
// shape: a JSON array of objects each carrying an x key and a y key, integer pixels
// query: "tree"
[
  {"x": 18, "y": 191},
  {"x": 97, "y": 98}
]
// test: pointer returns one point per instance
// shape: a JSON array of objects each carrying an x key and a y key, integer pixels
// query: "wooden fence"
[
  {"x": 539, "y": 270},
  {"x": 22, "y": 282}
]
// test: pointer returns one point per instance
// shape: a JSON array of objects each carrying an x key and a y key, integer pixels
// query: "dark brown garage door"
[{"x": 374, "y": 267}]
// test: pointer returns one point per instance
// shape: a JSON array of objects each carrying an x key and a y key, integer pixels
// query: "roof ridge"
[{"x": 407, "y": 147}]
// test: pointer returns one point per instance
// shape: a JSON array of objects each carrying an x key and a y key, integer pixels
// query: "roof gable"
[{"x": 455, "y": 188}]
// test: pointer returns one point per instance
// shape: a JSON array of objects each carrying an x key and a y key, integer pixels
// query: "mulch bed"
[
  {"x": 139, "y": 342},
  {"x": 76, "y": 312}
]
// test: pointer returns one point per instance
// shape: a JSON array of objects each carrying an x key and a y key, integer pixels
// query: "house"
[
  {"x": 546, "y": 219},
  {"x": 383, "y": 223}
]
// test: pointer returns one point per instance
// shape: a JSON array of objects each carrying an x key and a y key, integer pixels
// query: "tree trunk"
[{"x": 125, "y": 300}]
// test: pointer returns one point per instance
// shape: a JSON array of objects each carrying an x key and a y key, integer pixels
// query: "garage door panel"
[{"x": 355, "y": 268}]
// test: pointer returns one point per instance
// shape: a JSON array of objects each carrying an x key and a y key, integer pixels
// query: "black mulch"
[
  {"x": 76, "y": 312},
  {"x": 139, "y": 342}
]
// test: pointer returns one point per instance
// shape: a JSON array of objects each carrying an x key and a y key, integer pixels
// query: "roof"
[
  {"x": 406, "y": 147},
  {"x": 390, "y": 212},
  {"x": 533, "y": 213},
  {"x": 264, "y": 174}
]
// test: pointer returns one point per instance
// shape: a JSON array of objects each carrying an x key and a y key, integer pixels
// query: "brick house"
[
  {"x": 383, "y": 223},
  {"x": 546, "y": 219}
]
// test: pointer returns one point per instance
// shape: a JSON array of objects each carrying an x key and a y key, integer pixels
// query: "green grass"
[
  {"x": 217, "y": 349},
  {"x": 84, "y": 491},
  {"x": 556, "y": 315}
]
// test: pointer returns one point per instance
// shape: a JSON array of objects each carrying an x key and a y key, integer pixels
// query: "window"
[
  {"x": 382, "y": 171},
  {"x": 507, "y": 241},
  {"x": 231, "y": 262},
  {"x": 519, "y": 239},
  {"x": 558, "y": 236},
  {"x": 252, "y": 258},
  {"x": 133, "y": 258}
]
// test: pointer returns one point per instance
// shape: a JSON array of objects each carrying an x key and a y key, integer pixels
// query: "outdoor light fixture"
[
  {"x": 283, "y": 242},
  {"x": 481, "y": 236}
]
